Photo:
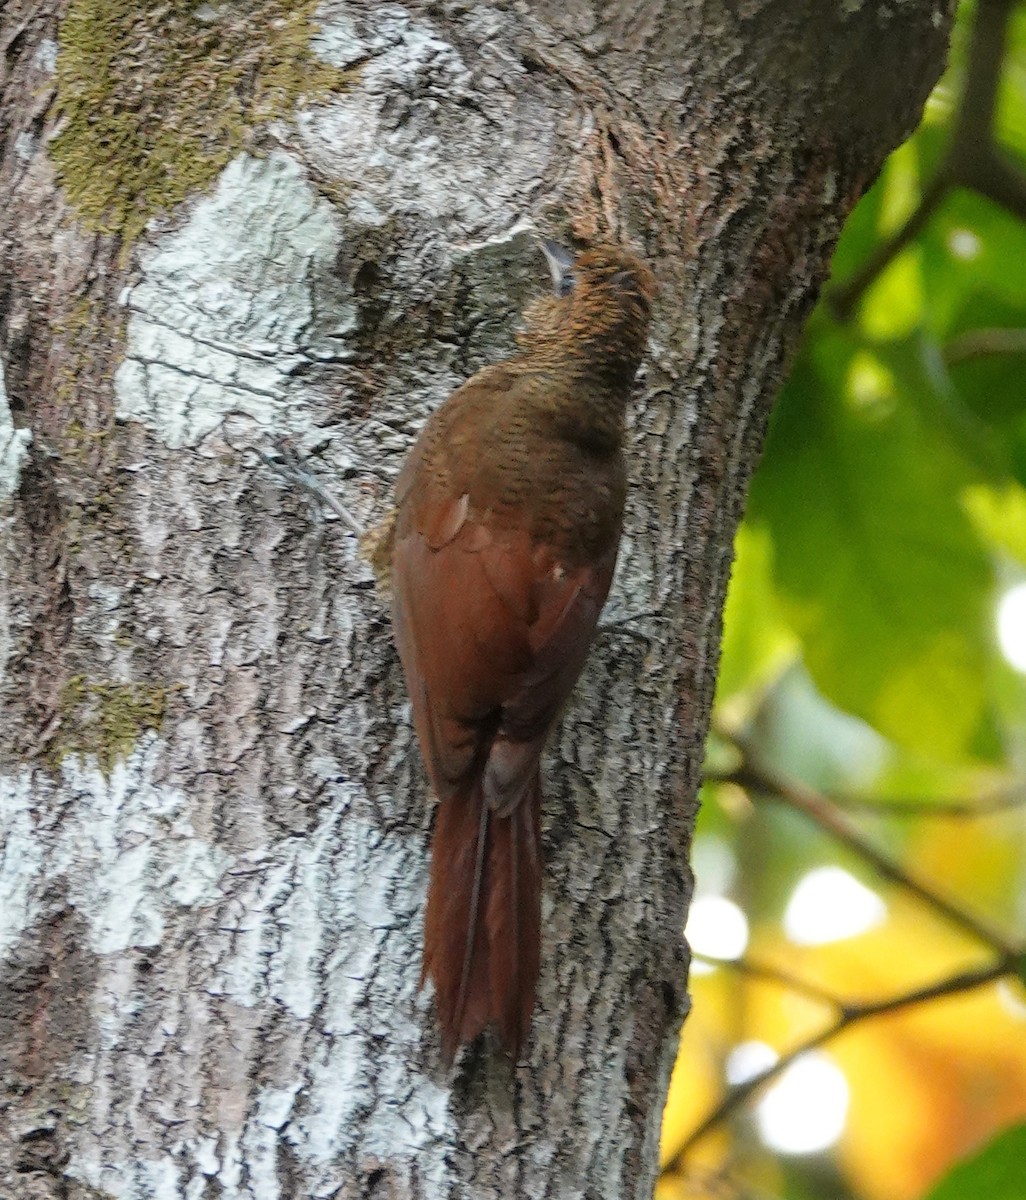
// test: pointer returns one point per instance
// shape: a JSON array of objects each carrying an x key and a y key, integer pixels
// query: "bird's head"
[{"x": 598, "y": 312}]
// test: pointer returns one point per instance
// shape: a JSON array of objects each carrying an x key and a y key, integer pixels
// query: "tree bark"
[{"x": 214, "y": 818}]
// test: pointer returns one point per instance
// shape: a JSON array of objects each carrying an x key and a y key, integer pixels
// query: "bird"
[{"x": 507, "y": 524}]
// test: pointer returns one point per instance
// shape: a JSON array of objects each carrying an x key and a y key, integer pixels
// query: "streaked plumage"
[{"x": 508, "y": 520}]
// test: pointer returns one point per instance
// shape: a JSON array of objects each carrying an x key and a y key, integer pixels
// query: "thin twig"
[
  {"x": 984, "y": 343},
  {"x": 955, "y": 808},
  {"x": 844, "y": 298},
  {"x": 912, "y": 806},
  {"x": 848, "y": 1016},
  {"x": 755, "y": 777},
  {"x": 759, "y": 970},
  {"x": 291, "y": 467}
]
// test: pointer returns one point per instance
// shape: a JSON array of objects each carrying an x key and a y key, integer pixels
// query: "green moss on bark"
[
  {"x": 106, "y": 719},
  {"x": 154, "y": 99}
]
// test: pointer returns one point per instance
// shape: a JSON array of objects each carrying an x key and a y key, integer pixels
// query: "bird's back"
[{"x": 508, "y": 521}]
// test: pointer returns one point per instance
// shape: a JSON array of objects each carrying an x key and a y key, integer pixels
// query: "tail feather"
[
  {"x": 513, "y": 921},
  {"x": 482, "y": 935}
]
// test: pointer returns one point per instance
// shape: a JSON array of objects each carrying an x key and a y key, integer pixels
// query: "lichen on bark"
[
  {"x": 154, "y": 100},
  {"x": 105, "y": 719},
  {"x": 248, "y": 883}
]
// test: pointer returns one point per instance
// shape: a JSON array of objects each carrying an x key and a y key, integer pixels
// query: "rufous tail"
[{"x": 482, "y": 932}]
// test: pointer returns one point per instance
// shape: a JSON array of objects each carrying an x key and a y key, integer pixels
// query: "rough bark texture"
[{"x": 214, "y": 820}]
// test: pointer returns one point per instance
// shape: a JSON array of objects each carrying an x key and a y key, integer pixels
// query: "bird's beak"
[{"x": 561, "y": 266}]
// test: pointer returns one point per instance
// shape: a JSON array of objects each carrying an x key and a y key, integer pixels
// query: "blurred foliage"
[
  {"x": 996, "y": 1172},
  {"x": 861, "y": 657}
]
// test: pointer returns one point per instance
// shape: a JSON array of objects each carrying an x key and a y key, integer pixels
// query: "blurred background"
[{"x": 859, "y": 1018}]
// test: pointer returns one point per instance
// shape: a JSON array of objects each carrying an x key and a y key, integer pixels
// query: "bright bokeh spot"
[
  {"x": 829, "y": 904},
  {"x": 805, "y": 1110},
  {"x": 718, "y": 928},
  {"x": 964, "y": 244},
  {"x": 747, "y": 1060},
  {"x": 1011, "y": 626},
  {"x": 870, "y": 384},
  {"x": 872, "y": 549},
  {"x": 713, "y": 862},
  {"x": 1012, "y": 998}
]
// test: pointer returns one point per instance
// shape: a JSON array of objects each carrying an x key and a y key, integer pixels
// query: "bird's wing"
[
  {"x": 493, "y": 631},
  {"x": 479, "y": 394}
]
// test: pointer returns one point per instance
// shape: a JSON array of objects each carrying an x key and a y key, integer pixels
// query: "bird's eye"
[{"x": 566, "y": 283}]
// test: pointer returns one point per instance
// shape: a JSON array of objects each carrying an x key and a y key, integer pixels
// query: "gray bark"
[{"x": 214, "y": 819}]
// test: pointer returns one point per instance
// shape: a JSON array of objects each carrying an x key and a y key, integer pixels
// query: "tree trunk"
[{"x": 240, "y": 250}]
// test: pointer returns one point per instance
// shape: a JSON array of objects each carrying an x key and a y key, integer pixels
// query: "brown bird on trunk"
[{"x": 508, "y": 521}]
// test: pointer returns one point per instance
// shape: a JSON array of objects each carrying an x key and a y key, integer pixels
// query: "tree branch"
[
  {"x": 844, "y": 298},
  {"x": 756, "y": 777},
  {"x": 889, "y": 806},
  {"x": 954, "y": 808},
  {"x": 972, "y": 159},
  {"x": 983, "y": 343},
  {"x": 848, "y": 1016},
  {"x": 760, "y": 970}
]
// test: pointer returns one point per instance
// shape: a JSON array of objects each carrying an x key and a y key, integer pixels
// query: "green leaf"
[
  {"x": 971, "y": 254},
  {"x": 999, "y": 514},
  {"x": 987, "y": 362},
  {"x": 757, "y": 644},
  {"x": 893, "y": 306},
  {"x": 997, "y": 1172},
  {"x": 1011, "y": 108},
  {"x": 880, "y": 571}
]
